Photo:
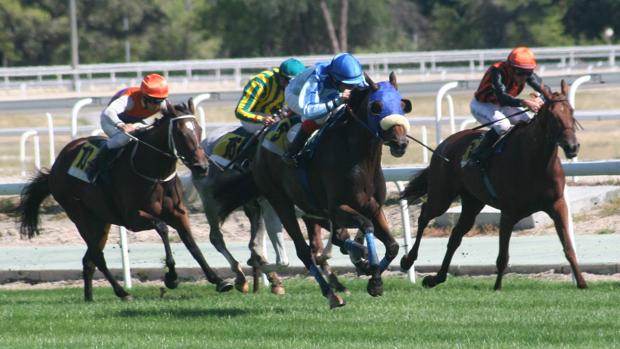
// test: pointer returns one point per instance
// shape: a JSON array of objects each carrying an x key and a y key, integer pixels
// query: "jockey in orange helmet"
[
  {"x": 496, "y": 98},
  {"x": 126, "y": 112}
]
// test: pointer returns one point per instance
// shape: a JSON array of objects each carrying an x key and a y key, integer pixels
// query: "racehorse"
[
  {"x": 526, "y": 177},
  {"x": 141, "y": 191},
  {"x": 342, "y": 182},
  {"x": 253, "y": 210}
]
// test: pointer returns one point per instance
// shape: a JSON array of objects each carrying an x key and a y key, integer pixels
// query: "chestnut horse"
[
  {"x": 342, "y": 182},
  {"x": 526, "y": 177},
  {"x": 141, "y": 191}
]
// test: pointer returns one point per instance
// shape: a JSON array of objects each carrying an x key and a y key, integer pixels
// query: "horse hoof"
[
  {"x": 362, "y": 267},
  {"x": 243, "y": 286},
  {"x": 375, "y": 287},
  {"x": 335, "y": 301},
  {"x": 428, "y": 282},
  {"x": 170, "y": 282},
  {"x": 224, "y": 286},
  {"x": 278, "y": 290},
  {"x": 405, "y": 264}
]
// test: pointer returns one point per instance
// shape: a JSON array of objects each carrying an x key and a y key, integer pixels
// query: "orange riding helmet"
[
  {"x": 155, "y": 86},
  {"x": 522, "y": 58}
]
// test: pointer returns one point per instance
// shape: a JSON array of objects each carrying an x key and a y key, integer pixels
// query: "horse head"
[
  {"x": 560, "y": 120},
  {"x": 385, "y": 114},
  {"x": 184, "y": 136}
]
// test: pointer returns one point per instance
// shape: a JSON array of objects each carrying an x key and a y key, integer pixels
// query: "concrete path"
[{"x": 528, "y": 254}]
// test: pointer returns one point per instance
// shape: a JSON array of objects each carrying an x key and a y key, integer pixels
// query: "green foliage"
[
  {"x": 464, "y": 313},
  {"x": 36, "y": 32}
]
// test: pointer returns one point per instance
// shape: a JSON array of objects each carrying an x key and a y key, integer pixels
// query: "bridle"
[{"x": 171, "y": 153}]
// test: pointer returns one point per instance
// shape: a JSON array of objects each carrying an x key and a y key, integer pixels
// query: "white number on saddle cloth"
[{"x": 85, "y": 156}]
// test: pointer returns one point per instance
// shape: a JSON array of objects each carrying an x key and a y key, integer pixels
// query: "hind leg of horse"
[
  {"x": 470, "y": 209},
  {"x": 321, "y": 257},
  {"x": 171, "y": 277},
  {"x": 275, "y": 231},
  {"x": 559, "y": 214},
  {"x": 438, "y": 202},
  {"x": 506, "y": 224},
  {"x": 286, "y": 211},
  {"x": 180, "y": 223}
]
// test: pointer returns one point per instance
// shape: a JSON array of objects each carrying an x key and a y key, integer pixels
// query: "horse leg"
[
  {"x": 321, "y": 257},
  {"x": 506, "y": 224},
  {"x": 88, "y": 270},
  {"x": 438, "y": 202},
  {"x": 470, "y": 209},
  {"x": 559, "y": 214},
  {"x": 274, "y": 231},
  {"x": 257, "y": 233},
  {"x": 180, "y": 223},
  {"x": 215, "y": 234},
  {"x": 217, "y": 240},
  {"x": 171, "y": 277},
  {"x": 286, "y": 211},
  {"x": 344, "y": 216},
  {"x": 382, "y": 229}
]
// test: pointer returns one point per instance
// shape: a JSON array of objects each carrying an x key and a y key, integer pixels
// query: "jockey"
[
  {"x": 263, "y": 95},
  {"x": 496, "y": 98},
  {"x": 125, "y": 113},
  {"x": 317, "y": 92}
]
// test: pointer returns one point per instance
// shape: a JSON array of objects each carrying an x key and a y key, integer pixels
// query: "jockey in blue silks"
[{"x": 317, "y": 92}]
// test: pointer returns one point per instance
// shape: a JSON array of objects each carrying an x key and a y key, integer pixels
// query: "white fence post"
[
  {"x": 74, "y": 114},
  {"x": 125, "y": 256},
  {"x": 404, "y": 214},
  {"x": 438, "y": 115},
  {"x": 571, "y": 99},
  {"x": 50, "y": 136},
  {"x": 197, "y": 100},
  {"x": 22, "y": 150}
]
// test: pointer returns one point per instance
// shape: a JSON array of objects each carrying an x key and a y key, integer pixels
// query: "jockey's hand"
[
  {"x": 127, "y": 128},
  {"x": 533, "y": 104},
  {"x": 268, "y": 120},
  {"x": 344, "y": 95}
]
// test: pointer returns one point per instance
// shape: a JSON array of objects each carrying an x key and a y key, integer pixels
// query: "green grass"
[{"x": 464, "y": 312}]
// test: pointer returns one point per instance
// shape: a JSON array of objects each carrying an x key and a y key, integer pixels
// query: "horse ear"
[
  {"x": 406, "y": 104},
  {"x": 393, "y": 80},
  {"x": 565, "y": 87},
  {"x": 371, "y": 83},
  {"x": 167, "y": 108},
  {"x": 191, "y": 106},
  {"x": 546, "y": 91}
]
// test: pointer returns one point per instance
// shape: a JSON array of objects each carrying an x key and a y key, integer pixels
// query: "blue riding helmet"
[{"x": 346, "y": 69}]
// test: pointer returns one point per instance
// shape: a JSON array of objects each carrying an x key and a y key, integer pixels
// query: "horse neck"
[
  {"x": 151, "y": 162},
  {"x": 542, "y": 146},
  {"x": 364, "y": 147}
]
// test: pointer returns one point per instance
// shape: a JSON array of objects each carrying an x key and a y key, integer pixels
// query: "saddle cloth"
[{"x": 87, "y": 153}]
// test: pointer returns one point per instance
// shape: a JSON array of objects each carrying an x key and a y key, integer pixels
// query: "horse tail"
[
  {"x": 416, "y": 188},
  {"x": 31, "y": 197},
  {"x": 232, "y": 189}
]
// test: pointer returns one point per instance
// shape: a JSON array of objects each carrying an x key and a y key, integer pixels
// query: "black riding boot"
[
  {"x": 483, "y": 151},
  {"x": 289, "y": 157},
  {"x": 100, "y": 163}
]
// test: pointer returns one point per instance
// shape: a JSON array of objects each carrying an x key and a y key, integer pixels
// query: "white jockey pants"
[{"x": 487, "y": 112}]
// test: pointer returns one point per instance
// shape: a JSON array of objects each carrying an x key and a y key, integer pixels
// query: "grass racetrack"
[{"x": 463, "y": 312}]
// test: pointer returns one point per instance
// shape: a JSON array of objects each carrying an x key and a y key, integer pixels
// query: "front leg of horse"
[
  {"x": 171, "y": 278},
  {"x": 180, "y": 223}
]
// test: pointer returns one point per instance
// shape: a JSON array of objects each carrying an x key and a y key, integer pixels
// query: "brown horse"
[
  {"x": 141, "y": 191},
  {"x": 342, "y": 182},
  {"x": 527, "y": 177}
]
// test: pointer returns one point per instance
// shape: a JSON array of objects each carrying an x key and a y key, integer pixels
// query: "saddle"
[
  {"x": 85, "y": 159},
  {"x": 234, "y": 146}
]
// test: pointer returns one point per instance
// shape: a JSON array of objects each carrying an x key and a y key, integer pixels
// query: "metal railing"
[{"x": 227, "y": 69}]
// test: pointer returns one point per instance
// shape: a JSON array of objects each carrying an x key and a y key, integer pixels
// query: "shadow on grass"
[{"x": 187, "y": 313}]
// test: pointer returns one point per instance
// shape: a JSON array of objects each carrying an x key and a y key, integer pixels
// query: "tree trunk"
[
  {"x": 330, "y": 26},
  {"x": 344, "y": 16}
]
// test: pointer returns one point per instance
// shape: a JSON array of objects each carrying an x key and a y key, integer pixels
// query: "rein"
[{"x": 171, "y": 146}]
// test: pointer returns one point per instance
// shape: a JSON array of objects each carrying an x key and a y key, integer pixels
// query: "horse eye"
[{"x": 376, "y": 107}]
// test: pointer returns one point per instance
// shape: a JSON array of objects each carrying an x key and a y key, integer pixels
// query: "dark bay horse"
[
  {"x": 526, "y": 177},
  {"x": 342, "y": 182},
  {"x": 141, "y": 192}
]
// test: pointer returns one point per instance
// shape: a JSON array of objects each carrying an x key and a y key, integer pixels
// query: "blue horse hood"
[{"x": 391, "y": 108}]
